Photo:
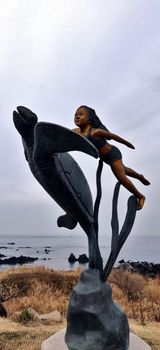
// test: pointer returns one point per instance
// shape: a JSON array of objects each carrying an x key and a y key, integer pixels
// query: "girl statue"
[{"x": 89, "y": 125}]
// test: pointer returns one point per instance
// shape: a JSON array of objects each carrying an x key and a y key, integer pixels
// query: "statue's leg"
[
  {"x": 119, "y": 171},
  {"x": 132, "y": 173}
]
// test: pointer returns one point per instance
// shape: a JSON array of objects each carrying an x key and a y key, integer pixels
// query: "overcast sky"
[{"x": 59, "y": 54}]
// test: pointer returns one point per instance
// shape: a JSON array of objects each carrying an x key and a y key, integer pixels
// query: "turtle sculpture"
[
  {"x": 93, "y": 320},
  {"x": 45, "y": 147}
]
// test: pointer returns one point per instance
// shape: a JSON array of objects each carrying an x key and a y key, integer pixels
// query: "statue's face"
[{"x": 81, "y": 117}]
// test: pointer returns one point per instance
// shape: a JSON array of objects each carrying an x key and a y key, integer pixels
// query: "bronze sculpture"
[
  {"x": 94, "y": 321},
  {"x": 90, "y": 126}
]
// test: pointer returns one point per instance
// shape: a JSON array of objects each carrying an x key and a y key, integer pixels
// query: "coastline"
[
  {"x": 143, "y": 268},
  {"x": 53, "y": 251}
]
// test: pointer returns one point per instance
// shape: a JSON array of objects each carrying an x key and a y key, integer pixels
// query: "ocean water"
[{"x": 136, "y": 248}]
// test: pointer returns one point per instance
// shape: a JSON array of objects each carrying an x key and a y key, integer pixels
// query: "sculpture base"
[
  {"x": 57, "y": 341},
  {"x": 94, "y": 321}
]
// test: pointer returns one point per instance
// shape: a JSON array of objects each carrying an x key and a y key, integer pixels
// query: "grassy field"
[
  {"x": 46, "y": 290},
  {"x": 150, "y": 332},
  {"x": 15, "y": 336}
]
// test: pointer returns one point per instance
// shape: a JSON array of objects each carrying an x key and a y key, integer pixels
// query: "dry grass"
[
  {"x": 139, "y": 296},
  {"x": 15, "y": 336},
  {"x": 46, "y": 290},
  {"x": 149, "y": 332}
]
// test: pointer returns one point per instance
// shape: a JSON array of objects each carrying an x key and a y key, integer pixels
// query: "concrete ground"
[{"x": 56, "y": 341}]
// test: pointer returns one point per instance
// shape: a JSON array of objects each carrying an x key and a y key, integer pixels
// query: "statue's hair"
[{"x": 93, "y": 118}]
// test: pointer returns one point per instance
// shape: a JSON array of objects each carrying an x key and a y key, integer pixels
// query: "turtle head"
[{"x": 24, "y": 120}]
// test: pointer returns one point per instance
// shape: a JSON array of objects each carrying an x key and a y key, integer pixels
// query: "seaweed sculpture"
[{"x": 94, "y": 321}]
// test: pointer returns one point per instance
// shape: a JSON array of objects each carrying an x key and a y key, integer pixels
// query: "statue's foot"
[
  {"x": 140, "y": 202},
  {"x": 66, "y": 221},
  {"x": 144, "y": 180}
]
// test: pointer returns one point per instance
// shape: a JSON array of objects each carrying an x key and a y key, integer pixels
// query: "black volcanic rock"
[
  {"x": 27, "y": 247},
  {"x": 2, "y": 256},
  {"x": 47, "y": 251},
  {"x": 72, "y": 259},
  {"x": 144, "y": 268},
  {"x": 17, "y": 260},
  {"x": 121, "y": 261},
  {"x": 83, "y": 259}
]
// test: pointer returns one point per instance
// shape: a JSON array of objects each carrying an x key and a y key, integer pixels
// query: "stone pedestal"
[
  {"x": 94, "y": 321},
  {"x": 57, "y": 342}
]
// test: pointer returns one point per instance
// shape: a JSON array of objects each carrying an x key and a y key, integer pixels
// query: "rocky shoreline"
[
  {"x": 82, "y": 259},
  {"x": 17, "y": 260},
  {"x": 148, "y": 269},
  {"x": 142, "y": 267}
]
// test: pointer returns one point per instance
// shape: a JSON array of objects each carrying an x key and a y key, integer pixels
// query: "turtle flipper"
[
  {"x": 52, "y": 138},
  {"x": 66, "y": 221}
]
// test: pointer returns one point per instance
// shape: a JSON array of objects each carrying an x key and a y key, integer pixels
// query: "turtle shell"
[{"x": 72, "y": 174}]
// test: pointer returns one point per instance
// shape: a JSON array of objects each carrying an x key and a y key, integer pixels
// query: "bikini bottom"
[{"x": 112, "y": 155}]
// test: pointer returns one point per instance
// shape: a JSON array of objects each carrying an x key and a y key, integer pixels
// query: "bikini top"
[{"x": 98, "y": 142}]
